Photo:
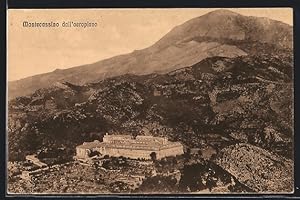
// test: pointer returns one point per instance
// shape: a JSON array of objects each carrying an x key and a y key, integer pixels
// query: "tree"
[
  {"x": 187, "y": 154},
  {"x": 153, "y": 156},
  {"x": 174, "y": 161},
  {"x": 200, "y": 153},
  {"x": 94, "y": 153}
]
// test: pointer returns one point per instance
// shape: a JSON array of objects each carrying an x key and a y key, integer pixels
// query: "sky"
[{"x": 34, "y": 51}]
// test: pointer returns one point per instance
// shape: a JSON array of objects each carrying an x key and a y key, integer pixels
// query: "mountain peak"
[
  {"x": 225, "y": 24},
  {"x": 222, "y": 12}
]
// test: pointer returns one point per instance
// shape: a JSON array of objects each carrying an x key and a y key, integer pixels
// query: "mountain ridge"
[{"x": 178, "y": 48}]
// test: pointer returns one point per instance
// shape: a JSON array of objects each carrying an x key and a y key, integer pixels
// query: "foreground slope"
[{"x": 257, "y": 168}]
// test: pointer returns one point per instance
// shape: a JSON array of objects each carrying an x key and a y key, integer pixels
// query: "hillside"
[
  {"x": 221, "y": 100},
  {"x": 218, "y": 33},
  {"x": 257, "y": 168}
]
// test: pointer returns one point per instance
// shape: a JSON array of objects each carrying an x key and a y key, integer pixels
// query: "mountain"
[{"x": 218, "y": 33}]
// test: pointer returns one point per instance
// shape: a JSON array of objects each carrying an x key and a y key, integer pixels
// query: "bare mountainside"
[{"x": 218, "y": 33}]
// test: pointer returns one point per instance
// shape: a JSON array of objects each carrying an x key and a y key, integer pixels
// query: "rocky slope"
[
  {"x": 219, "y": 102},
  {"x": 216, "y": 102},
  {"x": 257, "y": 168},
  {"x": 218, "y": 33}
]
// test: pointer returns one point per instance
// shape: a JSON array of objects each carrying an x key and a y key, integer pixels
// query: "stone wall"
[
  {"x": 130, "y": 153},
  {"x": 82, "y": 152},
  {"x": 172, "y": 151}
]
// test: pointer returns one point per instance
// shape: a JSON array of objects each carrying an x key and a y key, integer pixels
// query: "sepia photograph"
[{"x": 150, "y": 101}]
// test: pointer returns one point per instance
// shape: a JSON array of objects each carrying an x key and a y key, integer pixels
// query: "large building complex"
[{"x": 143, "y": 147}]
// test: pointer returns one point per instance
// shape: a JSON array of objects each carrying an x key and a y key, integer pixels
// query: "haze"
[{"x": 34, "y": 51}]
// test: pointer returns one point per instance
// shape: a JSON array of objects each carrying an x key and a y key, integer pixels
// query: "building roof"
[
  {"x": 90, "y": 145},
  {"x": 145, "y": 137},
  {"x": 139, "y": 144},
  {"x": 115, "y": 136}
]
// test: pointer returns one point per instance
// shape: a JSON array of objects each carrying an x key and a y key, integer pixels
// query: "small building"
[
  {"x": 85, "y": 150},
  {"x": 142, "y": 147},
  {"x": 26, "y": 175},
  {"x": 156, "y": 92},
  {"x": 33, "y": 158},
  {"x": 196, "y": 151}
]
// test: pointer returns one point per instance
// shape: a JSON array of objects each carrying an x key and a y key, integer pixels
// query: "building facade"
[{"x": 141, "y": 147}]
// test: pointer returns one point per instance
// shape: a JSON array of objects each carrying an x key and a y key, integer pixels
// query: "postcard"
[{"x": 150, "y": 101}]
